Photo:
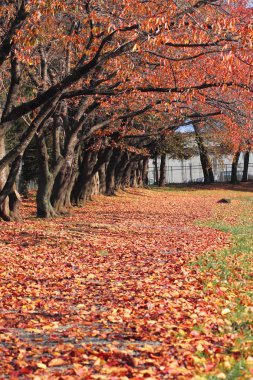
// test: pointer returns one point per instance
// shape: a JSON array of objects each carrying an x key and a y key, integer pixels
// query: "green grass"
[{"x": 232, "y": 269}]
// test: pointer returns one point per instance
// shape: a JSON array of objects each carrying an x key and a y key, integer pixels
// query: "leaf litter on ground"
[{"x": 97, "y": 296}]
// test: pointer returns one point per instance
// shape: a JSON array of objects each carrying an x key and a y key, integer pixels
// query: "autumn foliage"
[
  {"x": 89, "y": 90},
  {"x": 107, "y": 75}
]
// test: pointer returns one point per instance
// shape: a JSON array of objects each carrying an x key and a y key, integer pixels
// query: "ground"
[{"x": 150, "y": 284}]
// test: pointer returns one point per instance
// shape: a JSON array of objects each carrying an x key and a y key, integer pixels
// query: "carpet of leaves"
[{"x": 108, "y": 292}]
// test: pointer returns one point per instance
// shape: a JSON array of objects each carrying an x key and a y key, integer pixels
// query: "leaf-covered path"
[{"x": 108, "y": 293}]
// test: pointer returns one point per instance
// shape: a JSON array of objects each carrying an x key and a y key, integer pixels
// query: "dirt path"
[{"x": 108, "y": 293}]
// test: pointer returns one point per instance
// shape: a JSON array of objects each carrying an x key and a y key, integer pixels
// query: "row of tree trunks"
[
  {"x": 60, "y": 187},
  {"x": 70, "y": 180}
]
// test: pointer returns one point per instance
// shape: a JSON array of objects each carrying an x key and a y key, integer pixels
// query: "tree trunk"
[
  {"x": 10, "y": 193},
  {"x": 45, "y": 182},
  {"x": 14, "y": 203},
  {"x": 246, "y": 166},
  {"x": 139, "y": 171},
  {"x": 156, "y": 171},
  {"x": 102, "y": 179},
  {"x": 45, "y": 186},
  {"x": 234, "y": 167},
  {"x": 133, "y": 176},
  {"x": 4, "y": 207},
  {"x": 60, "y": 188},
  {"x": 120, "y": 169},
  {"x": 110, "y": 172},
  {"x": 83, "y": 186},
  {"x": 60, "y": 198},
  {"x": 204, "y": 157},
  {"x": 162, "y": 178},
  {"x": 145, "y": 171},
  {"x": 127, "y": 176}
]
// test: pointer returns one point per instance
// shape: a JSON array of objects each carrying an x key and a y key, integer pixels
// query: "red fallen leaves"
[{"x": 108, "y": 293}]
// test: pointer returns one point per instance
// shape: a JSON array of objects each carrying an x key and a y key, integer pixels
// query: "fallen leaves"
[{"x": 108, "y": 293}]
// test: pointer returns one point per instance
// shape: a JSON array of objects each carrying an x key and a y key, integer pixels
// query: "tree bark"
[
  {"x": 156, "y": 171},
  {"x": 10, "y": 193},
  {"x": 102, "y": 178},
  {"x": 236, "y": 157},
  {"x": 45, "y": 182},
  {"x": 145, "y": 171},
  {"x": 127, "y": 175},
  {"x": 204, "y": 157},
  {"x": 4, "y": 207},
  {"x": 162, "y": 178},
  {"x": 14, "y": 204},
  {"x": 82, "y": 189},
  {"x": 120, "y": 169},
  {"x": 60, "y": 198},
  {"x": 245, "y": 166},
  {"x": 133, "y": 175},
  {"x": 110, "y": 172}
]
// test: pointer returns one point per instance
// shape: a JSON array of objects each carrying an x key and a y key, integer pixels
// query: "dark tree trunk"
[
  {"x": 236, "y": 157},
  {"x": 139, "y": 171},
  {"x": 120, "y": 170},
  {"x": 14, "y": 203},
  {"x": 127, "y": 176},
  {"x": 156, "y": 171},
  {"x": 83, "y": 187},
  {"x": 60, "y": 198},
  {"x": 104, "y": 157},
  {"x": 133, "y": 175},
  {"x": 110, "y": 172},
  {"x": 45, "y": 186},
  {"x": 162, "y": 170},
  {"x": 245, "y": 166},
  {"x": 45, "y": 182},
  {"x": 68, "y": 203},
  {"x": 59, "y": 192},
  {"x": 102, "y": 178},
  {"x": 4, "y": 208},
  {"x": 145, "y": 171},
  {"x": 204, "y": 157},
  {"x": 9, "y": 193}
]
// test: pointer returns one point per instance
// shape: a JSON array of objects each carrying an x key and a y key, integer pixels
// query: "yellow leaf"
[
  {"x": 221, "y": 375},
  {"x": 225, "y": 311},
  {"x": 135, "y": 48},
  {"x": 227, "y": 364},
  {"x": 55, "y": 362},
  {"x": 80, "y": 306},
  {"x": 90, "y": 276},
  {"x": 200, "y": 347},
  {"x": 41, "y": 365}
]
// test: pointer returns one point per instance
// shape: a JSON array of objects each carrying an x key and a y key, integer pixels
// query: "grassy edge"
[{"x": 230, "y": 270}]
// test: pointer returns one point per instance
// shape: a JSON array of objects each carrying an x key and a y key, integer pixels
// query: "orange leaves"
[{"x": 139, "y": 311}]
